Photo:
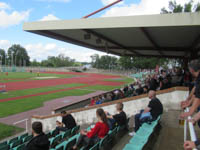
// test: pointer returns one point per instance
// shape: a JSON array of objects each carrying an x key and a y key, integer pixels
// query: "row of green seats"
[
  {"x": 142, "y": 136},
  {"x": 15, "y": 142},
  {"x": 66, "y": 145},
  {"x": 62, "y": 137}
]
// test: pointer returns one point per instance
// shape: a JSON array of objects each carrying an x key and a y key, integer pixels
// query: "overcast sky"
[{"x": 13, "y": 13}]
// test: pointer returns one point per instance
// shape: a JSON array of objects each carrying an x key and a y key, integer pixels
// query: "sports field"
[{"x": 27, "y": 91}]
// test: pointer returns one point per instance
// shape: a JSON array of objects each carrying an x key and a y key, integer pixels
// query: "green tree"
[
  {"x": 127, "y": 62},
  {"x": 17, "y": 55},
  {"x": 34, "y": 63},
  {"x": 104, "y": 62},
  {"x": 2, "y": 56},
  {"x": 177, "y": 8},
  {"x": 58, "y": 61}
]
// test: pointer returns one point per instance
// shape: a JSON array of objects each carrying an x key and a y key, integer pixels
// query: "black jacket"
[{"x": 40, "y": 142}]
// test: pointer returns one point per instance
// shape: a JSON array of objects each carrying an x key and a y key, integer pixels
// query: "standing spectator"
[
  {"x": 194, "y": 97},
  {"x": 40, "y": 140}
]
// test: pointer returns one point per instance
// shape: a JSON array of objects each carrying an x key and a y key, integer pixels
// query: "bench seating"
[{"x": 141, "y": 137}]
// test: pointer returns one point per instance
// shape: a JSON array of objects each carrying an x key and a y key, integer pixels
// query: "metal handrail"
[
  {"x": 191, "y": 129},
  {"x": 25, "y": 120}
]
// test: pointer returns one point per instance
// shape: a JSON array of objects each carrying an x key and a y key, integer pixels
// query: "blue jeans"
[
  {"x": 111, "y": 123},
  {"x": 138, "y": 121}
]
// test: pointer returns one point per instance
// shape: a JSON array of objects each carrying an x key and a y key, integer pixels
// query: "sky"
[{"x": 13, "y": 13}]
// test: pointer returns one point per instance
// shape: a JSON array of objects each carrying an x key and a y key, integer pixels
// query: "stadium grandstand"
[{"x": 108, "y": 120}]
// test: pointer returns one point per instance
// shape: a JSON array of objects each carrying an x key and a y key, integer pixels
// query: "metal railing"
[
  {"x": 25, "y": 120},
  {"x": 188, "y": 124}
]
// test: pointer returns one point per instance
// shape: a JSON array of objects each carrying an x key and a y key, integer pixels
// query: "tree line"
[
  {"x": 15, "y": 56},
  {"x": 18, "y": 56},
  {"x": 126, "y": 62}
]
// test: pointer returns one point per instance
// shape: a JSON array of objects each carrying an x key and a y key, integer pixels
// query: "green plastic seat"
[
  {"x": 15, "y": 143},
  {"x": 54, "y": 140},
  {"x": 66, "y": 134},
  {"x": 20, "y": 147},
  {"x": 23, "y": 136},
  {"x": 5, "y": 147},
  {"x": 139, "y": 140},
  {"x": 143, "y": 132},
  {"x": 70, "y": 143},
  {"x": 59, "y": 147},
  {"x": 3, "y": 143},
  {"x": 133, "y": 147},
  {"x": 103, "y": 141},
  {"x": 28, "y": 138},
  {"x": 54, "y": 132},
  {"x": 95, "y": 147},
  {"x": 48, "y": 134},
  {"x": 12, "y": 140},
  {"x": 75, "y": 130}
]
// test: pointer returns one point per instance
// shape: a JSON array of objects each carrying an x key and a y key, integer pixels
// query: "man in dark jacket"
[
  {"x": 68, "y": 122},
  {"x": 40, "y": 140}
]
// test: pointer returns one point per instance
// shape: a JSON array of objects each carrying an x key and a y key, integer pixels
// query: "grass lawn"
[
  {"x": 36, "y": 90},
  {"x": 126, "y": 80},
  {"x": 22, "y": 105},
  {"x": 102, "y": 87},
  {"x": 24, "y": 76},
  {"x": 6, "y": 131}
]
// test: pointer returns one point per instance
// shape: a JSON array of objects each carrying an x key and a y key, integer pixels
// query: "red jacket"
[{"x": 100, "y": 130}]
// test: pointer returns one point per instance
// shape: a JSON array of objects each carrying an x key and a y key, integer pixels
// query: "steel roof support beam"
[
  {"x": 67, "y": 39},
  {"x": 110, "y": 41},
  {"x": 149, "y": 37}
]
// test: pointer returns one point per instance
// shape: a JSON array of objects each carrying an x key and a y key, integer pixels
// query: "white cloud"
[
  {"x": 63, "y": 1},
  {"x": 4, "y": 6},
  {"x": 14, "y": 18},
  {"x": 143, "y": 8},
  {"x": 41, "y": 51},
  {"x": 5, "y": 44},
  {"x": 49, "y": 17},
  {"x": 11, "y": 18}
]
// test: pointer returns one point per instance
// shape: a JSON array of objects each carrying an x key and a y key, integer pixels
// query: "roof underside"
[{"x": 169, "y": 35}]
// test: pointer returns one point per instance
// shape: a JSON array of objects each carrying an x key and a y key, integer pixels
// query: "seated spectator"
[
  {"x": 39, "y": 141},
  {"x": 98, "y": 101},
  {"x": 113, "y": 96},
  {"x": 95, "y": 134},
  {"x": 92, "y": 102},
  {"x": 108, "y": 97},
  {"x": 139, "y": 90},
  {"x": 125, "y": 90},
  {"x": 153, "y": 83},
  {"x": 117, "y": 119},
  {"x": 120, "y": 94},
  {"x": 145, "y": 90},
  {"x": 68, "y": 122},
  {"x": 151, "y": 113},
  {"x": 187, "y": 78}
]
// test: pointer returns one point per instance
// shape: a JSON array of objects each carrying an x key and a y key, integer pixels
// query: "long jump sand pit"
[{"x": 41, "y": 78}]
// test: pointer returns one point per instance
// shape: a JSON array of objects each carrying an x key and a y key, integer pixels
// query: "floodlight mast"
[{"x": 99, "y": 10}]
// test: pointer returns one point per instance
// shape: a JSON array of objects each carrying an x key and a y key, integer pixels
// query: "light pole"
[
  {"x": 16, "y": 58},
  {"x": 12, "y": 58}
]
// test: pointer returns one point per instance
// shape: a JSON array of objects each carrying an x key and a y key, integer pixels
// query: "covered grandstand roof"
[{"x": 163, "y": 35}]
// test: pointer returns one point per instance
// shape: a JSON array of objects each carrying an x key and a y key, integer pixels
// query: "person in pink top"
[{"x": 100, "y": 130}]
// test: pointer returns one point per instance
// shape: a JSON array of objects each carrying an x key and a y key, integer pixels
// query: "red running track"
[
  {"x": 88, "y": 79},
  {"x": 91, "y": 79}
]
